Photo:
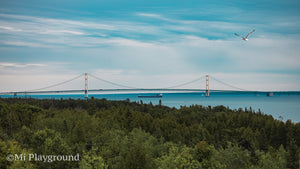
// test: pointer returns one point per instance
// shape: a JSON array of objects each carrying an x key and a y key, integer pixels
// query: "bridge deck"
[{"x": 145, "y": 90}]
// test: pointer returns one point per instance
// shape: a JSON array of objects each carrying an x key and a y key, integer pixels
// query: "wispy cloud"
[
  {"x": 10, "y": 28},
  {"x": 34, "y": 31},
  {"x": 19, "y": 65},
  {"x": 22, "y": 43},
  {"x": 28, "y": 31},
  {"x": 157, "y": 16},
  {"x": 158, "y": 46},
  {"x": 33, "y": 68}
]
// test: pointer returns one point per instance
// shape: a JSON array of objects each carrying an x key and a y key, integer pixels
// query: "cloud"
[
  {"x": 153, "y": 52},
  {"x": 34, "y": 68},
  {"x": 60, "y": 32},
  {"x": 33, "y": 82},
  {"x": 256, "y": 55},
  {"x": 37, "y": 75},
  {"x": 256, "y": 81},
  {"x": 156, "y": 16},
  {"x": 10, "y": 28},
  {"x": 17, "y": 76},
  {"x": 30, "y": 31},
  {"x": 19, "y": 65},
  {"x": 21, "y": 43},
  {"x": 43, "y": 32}
]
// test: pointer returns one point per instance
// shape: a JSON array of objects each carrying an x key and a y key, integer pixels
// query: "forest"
[{"x": 130, "y": 135}]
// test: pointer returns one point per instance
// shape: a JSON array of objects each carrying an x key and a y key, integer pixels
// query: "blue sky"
[{"x": 150, "y": 43}]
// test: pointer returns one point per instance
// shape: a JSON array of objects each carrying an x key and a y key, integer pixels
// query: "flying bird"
[{"x": 246, "y": 37}]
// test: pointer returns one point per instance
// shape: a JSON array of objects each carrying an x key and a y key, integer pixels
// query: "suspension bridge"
[{"x": 129, "y": 89}]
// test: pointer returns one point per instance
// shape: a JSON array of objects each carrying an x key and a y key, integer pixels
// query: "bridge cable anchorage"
[
  {"x": 58, "y": 84},
  {"x": 116, "y": 84},
  {"x": 184, "y": 84},
  {"x": 226, "y": 84}
]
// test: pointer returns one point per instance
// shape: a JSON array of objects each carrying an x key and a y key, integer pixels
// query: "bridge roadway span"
[
  {"x": 101, "y": 90},
  {"x": 148, "y": 90}
]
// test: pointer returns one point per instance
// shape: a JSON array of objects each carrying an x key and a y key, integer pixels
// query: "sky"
[{"x": 150, "y": 44}]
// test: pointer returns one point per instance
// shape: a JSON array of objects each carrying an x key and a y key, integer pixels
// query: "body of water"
[{"x": 281, "y": 107}]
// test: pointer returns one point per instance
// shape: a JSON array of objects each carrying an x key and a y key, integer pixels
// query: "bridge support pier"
[
  {"x": 207, "y": 86},
  {"x": 86, "y": 90}
]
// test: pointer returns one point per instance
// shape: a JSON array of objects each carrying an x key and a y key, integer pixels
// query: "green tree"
[
  {"x": 5, "y": 119},
  {"x": 276, "y": 160},
  {"x": 49, "y": 142},
  {"x": 138, "y": 150},
  {"x": 91, "y": 160},
  {"x": 178, "y": 158},
  {"x": 203, "y": 151},
  {"x": 232, "y": 157},
  {"x": 292, "y": 155},
  {"x": 10, "y": 149}
]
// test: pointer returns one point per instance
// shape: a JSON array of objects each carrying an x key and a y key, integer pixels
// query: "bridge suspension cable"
[
  {"x": 116, "y": 84},
  {"x": 184, "y": 84},
  {"x": 58, "y": 84},
  {"x": 226, "y": 84}
]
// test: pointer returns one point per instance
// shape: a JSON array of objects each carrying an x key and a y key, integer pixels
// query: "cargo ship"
[{"x": 150, "y": 96}]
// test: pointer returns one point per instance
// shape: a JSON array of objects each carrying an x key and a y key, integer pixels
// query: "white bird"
[{"x": 246, "y": 37}]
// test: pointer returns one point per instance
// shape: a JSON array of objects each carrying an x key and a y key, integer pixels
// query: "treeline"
[{"x": 129, "y": 135}]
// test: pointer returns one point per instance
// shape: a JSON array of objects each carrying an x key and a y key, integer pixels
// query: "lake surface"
[{"x": 281, "y": 107}]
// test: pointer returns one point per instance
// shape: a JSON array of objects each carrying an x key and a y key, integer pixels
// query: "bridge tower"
[
  {"x": 86, "y": 90},
  {"x": 207, "y": 86}
]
